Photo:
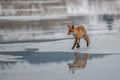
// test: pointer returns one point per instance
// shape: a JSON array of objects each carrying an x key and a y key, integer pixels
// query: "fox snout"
[{"x": 68, "y": 33}]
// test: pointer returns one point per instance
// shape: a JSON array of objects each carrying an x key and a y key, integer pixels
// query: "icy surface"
[
  {"x": 99, "y": 44},
  {"x": 46, "y": 66}
]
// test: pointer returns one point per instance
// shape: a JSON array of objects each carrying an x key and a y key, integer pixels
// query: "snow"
[{"x": 30, "y": 18}]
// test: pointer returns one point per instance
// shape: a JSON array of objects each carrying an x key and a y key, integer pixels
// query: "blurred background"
[{"x": 40, "y": 20}]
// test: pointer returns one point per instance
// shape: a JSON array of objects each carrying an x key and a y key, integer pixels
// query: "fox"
[{"x": 78, "y": 32}]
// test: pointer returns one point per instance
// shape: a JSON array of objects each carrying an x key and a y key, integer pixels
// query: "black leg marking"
[
  {"x": 78, "y": 46},
  {"x": 87, "y": 44},
  {"x": 74, "y": 46}
]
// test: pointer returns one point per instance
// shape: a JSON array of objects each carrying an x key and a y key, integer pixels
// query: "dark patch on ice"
[
  {"x": 32, "y": 49},
  {"x": 46, "y": 57}
]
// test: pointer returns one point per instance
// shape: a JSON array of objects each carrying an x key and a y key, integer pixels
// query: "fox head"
[{"x": 70, "y": 30}]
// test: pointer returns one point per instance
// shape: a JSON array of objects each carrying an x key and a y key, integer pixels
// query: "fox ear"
[
  {"x": 69, "y": 26},
  {"x": 72, "y": 26}
]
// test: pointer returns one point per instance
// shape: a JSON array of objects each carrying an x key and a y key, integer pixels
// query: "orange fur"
[{"x": 78, "y": 32}]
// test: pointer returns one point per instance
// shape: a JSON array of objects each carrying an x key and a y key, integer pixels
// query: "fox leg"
[
  {"x": 87, "y": 39},
  {"x": 75, "y": 43},
  {"x": 78, "y": 43},
  {"x": 77, "y": 46}
]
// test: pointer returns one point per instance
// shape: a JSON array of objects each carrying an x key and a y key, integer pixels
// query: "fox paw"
[
  {"x": 78, "y": 47},
  {"x": 87, "y": 44},
  {"x": 72, "y": 48}
]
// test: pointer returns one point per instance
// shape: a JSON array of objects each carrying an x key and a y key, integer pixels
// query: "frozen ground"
[{"x": 109, "y": 43}]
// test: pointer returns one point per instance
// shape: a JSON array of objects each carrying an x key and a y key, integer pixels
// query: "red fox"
[{"x": 78, "y": 32}]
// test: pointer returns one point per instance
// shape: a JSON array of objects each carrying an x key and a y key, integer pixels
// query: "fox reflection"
[{"x": 79, "y": 62}]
